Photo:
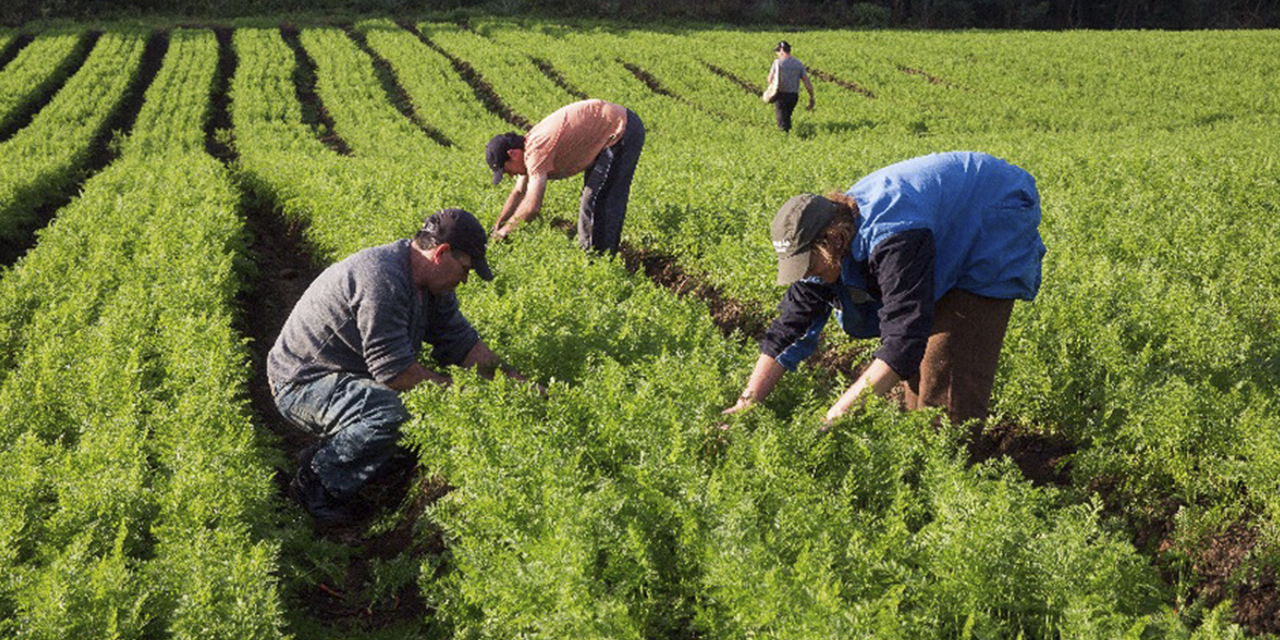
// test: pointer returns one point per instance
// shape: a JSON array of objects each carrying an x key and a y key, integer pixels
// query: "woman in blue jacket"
[{"x": 928, "y": 254}]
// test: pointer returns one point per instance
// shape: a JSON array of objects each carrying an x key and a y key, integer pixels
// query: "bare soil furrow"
[
  {"x": 555, "y": 76},
  {"x": 932, "y": 79},
  {"x": 648, "y": 79},
  {"x": 217, "y": 129},
  {"x": 314, "y": 113},
  {"x": 483, "y": 91},
  {"x": 845, "y": 84},
  {"x": 396, "y": 93},
  {"x": 747, "y": 87}
]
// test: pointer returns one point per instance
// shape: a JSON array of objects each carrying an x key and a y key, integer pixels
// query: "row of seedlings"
[
  {"x": 43, "y": 158},
  {"x": 38, "y": 68},
  {"x": 141, "y": 504},
  {"x": 439, "y": 94}
]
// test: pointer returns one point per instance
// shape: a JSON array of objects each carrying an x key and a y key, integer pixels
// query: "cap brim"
[
  {"x": 498, "y": 172},
  {"x": 481, "y": 267},
  {"x": 793, "y": 267}
]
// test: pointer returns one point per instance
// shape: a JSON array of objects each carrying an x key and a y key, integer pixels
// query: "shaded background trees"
[{"x": 932, "y": 14}]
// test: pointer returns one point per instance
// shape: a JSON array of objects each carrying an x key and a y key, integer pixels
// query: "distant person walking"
[
  {"x": 351, "y": 345},
  {"x": 929, "y": 255},
  {"x": 789, "y": 72},
  {"x": 599, "y": 139}
]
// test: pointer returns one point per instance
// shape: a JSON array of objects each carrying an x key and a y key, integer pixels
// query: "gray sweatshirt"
[{"x": 366, "y": 317}]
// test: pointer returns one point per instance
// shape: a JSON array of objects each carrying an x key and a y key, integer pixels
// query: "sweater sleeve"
[
  {"x": 802, "y": 314},
  {"x": 449, "y": 332},
  {"x": 902, "y": 266},
  {"x": 382, "y": 314}
]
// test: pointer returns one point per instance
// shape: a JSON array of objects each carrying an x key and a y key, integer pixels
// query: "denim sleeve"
[
  {"x": 802, "y": 314},
  {"x": 449, "y": 332},
  {"x": 902, "y": 265}
]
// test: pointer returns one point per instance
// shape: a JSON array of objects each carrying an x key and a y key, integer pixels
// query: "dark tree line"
[{"x": 929, "y": 14}]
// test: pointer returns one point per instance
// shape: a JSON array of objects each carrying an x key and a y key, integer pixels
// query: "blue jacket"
[{"x": 927, "y": 225}]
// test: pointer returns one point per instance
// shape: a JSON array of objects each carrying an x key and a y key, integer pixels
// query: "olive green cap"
[{"x": 794, "y": 230}]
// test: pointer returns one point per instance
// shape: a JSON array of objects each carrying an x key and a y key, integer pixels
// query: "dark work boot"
[
  {"x": 390, "y": 484},
  {"x": 308, "y": 491}
]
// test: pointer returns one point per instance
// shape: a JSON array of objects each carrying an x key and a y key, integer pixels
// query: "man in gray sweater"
[{"x": 351, "y": 345}]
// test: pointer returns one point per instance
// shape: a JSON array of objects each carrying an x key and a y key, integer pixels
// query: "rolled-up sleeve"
[
  {"x": 802, "y": 314},
  {"x": 902, "y": 265}
]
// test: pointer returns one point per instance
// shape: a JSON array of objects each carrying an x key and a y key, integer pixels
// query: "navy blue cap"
[
  {"x": 461, "y": 231},
  {"x": 495, "y": 155}
]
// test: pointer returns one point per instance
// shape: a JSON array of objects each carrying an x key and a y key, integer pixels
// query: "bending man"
[{"x": 596, "y": 138}]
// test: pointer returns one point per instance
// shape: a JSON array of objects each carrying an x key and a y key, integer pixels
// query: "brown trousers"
[{"x": 959, "y": 366}]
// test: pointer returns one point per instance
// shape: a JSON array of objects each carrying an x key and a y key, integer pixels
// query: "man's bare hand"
[{"x": 742, "y": 405}]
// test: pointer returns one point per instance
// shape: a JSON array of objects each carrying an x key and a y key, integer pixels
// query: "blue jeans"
[
  {"x": 359, "y": 420},
  {"x": 606, "y": 187}
]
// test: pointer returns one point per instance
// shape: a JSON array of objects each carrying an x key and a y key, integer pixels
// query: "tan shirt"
[{"x": 566, "y": 142}]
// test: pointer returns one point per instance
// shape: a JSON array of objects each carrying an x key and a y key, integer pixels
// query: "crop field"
[{"x": 166, "y": 194}]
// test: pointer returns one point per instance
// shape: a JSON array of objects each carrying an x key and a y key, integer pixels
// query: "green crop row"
[
  {"x": 272, "y": 141},
  {"x": 176, "y": 106},
  {"x": 44, "y": 157},
  {"x": 526, "y": 91},
  {"x": 138, "y": 502},
  {"x": 345, "y": 79},
  {"x": 40, "y": 66},
  {"x": 1149, "y": 343},
  {"x": 439, "y": 96}
]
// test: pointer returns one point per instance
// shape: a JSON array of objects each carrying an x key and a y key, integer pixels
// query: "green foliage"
[
  {"x": 615, "y": 507},
  {"x": 345, "y": 79},
  {"x": 42, "y": 159},
  {"x": 143, "y": 496},
  {"x": 137, "y": 502},
  {"x": 438, "y": 94},
  {"x": 38, "y": 67}
]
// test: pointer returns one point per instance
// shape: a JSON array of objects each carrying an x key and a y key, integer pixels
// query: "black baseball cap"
[
  {"x": 496, "y": 153},
  {"x": 795, "y": 228},
  {"x": 461, "y": 231},
  {"x": 783, "y": 45}
]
